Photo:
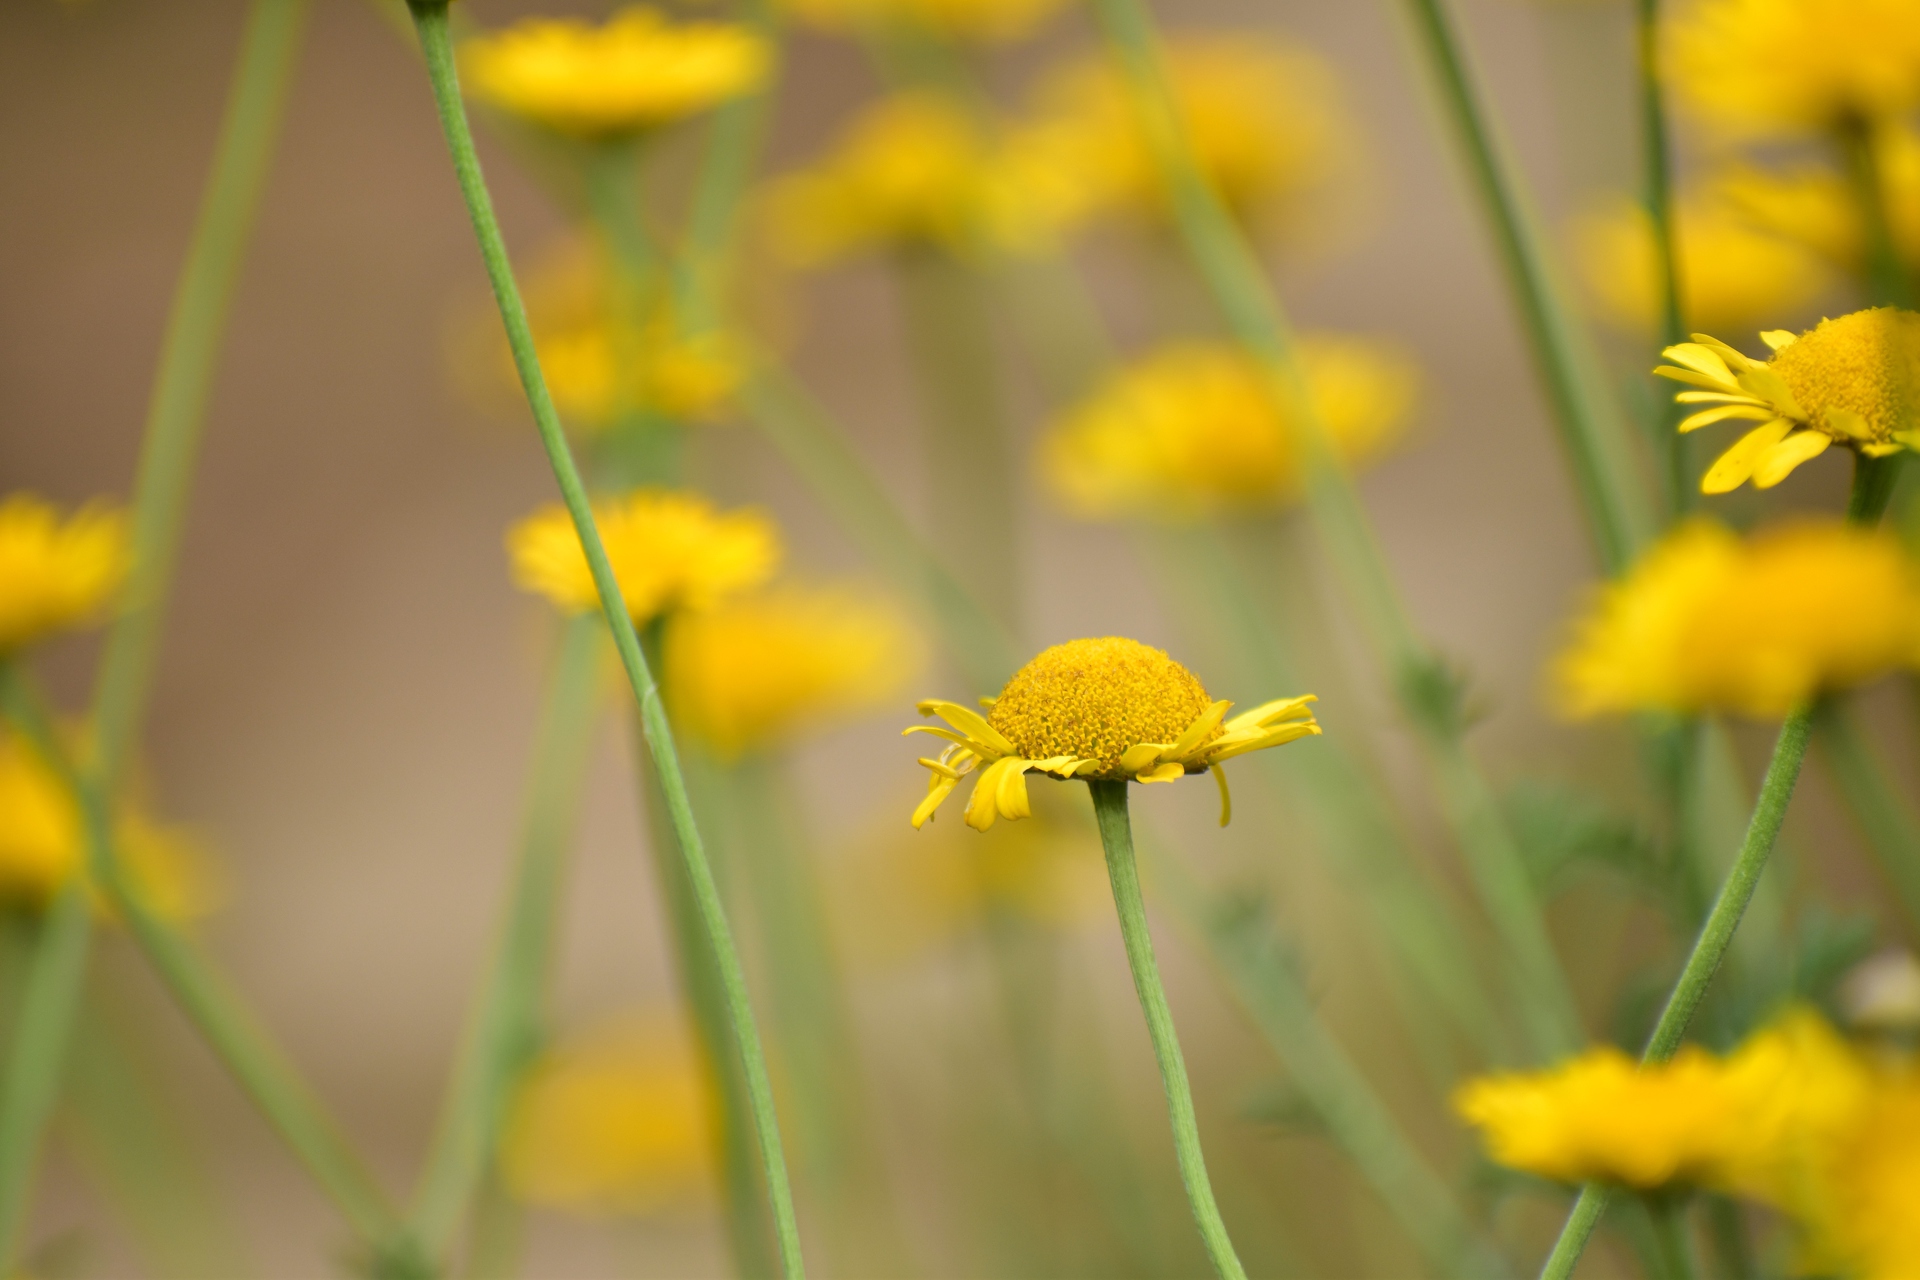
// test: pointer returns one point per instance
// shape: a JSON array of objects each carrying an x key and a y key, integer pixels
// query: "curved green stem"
[
  {"x": 430, "y": 19},
  {"x": 1116, "y": 837}
]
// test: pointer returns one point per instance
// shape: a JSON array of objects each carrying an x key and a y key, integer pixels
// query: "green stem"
[
  {"x": 1657, "y": 192},
  {"x": 1882, "y": 813},
  {"x": 1888, "y": 283},
  {"x": 1592, "y": 433},
  {"x": 506, "y": 1029},
  {"x": 1116, "y": 837},
  {"x": 1732, "y": 1255},
  {"x": 1671, "y": 1241},
  {"x": 430, "y": 19}
]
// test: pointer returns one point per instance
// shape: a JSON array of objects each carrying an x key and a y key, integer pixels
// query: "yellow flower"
[
  {"x": 616, "y": 1121},
  {"x": 43, "y": 844},
  {"x": 53, "y": 573},
  {"x": 751, "y": 672},
  {"x": 1194, "y": 428},
  {"x": 970, "y": 21},
  {"x": 1816, "y": 206},
  {"x": 1111, "y": 709},
  {"x": 1854, "y": 381},
  {"x": 918, "y": 170},
  {"x": 1709, "y": 622},
  {"x": 1266, "y": 119},
  {"x": 1860, "y": 1217},
  {"x": 1754, "y": 66},
  {"x": 638, "y": 71},
  {"x": 1732, "y": 273},
  {"x": 669, "y": 551}
]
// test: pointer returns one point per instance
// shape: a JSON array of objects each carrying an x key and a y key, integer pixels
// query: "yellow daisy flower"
[
  {"x": 638, "y": 71},
  {"x": 1108, "y": 709},
  {"x": 1858, "y": 1207},
  {"x": 669, "y": 551},
  {"x": 1732, "y": 272},
  {"x": 967, "y": 21},
  {"x": 1707, "y": 621},
  {"x": 1194, "y": 428},
  {"x": 747, "y": 674},
  {"x": 613, "y": 1122},
  {"x": 1754, "y": 66},
  {"x": 1854, "y": 381},
  {"x": 56, "y": 574}
]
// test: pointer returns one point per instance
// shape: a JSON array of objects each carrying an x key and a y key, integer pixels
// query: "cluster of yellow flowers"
[
  {"x": 1795, "y": 1117},
  {"x": 56, "y": 573}
]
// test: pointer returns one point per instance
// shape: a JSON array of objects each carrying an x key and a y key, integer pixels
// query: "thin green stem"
[
  {"x": 1888, "y": 283},
  {"x": 1591, "y": 431},
  {"x": 1880, "y": 810},
  {"x": 430, "y": 19},
  {"x": 1672, "y": 1240},
  {"x": 1657, "y": 193},
  {"x": 506, "y": 1029},
  {"x": 1116, "y": 837}
]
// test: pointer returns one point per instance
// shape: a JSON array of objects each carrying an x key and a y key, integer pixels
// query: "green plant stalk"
[
  {"x": 1874, "y": 800},
  {"x": 430, "y": 20},
  {"x": 1668, "y": 1214},
  {"x": 506, "y": 1029},
  {"x": 232, "y": 1035},
  {"x": 1116, "y": 838},
  {"x": 1888, "y": 283},
  {"x": 1872, "y": 486},
  {"x": 1234, "y": 276},
  {"x": 1591, "y": 431},
  {"x": 1657, "y": 194}
]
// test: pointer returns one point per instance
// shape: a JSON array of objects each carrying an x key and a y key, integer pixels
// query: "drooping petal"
[
  {"x": 984, "y": 805},
  {"x": 1707, "y": 417},
  {"x": 939, "y": 787},
  {"x": 1010, "y": 796},
  {"x": 1142, "y": 756},
  {"x": 959, "y": 740},
  {"x": 1712, "y": 397},
  {"x": 1226, "y": 796},
  {"x": 1735, "y": 466},
  {"x": 969, "y": 722},
  {"x": 1777, "y": 463}
]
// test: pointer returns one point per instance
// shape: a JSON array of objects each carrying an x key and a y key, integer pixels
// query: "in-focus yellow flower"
[
  {"x": 968, "y": 21},
  {"x": 1267, "y": 121},
  {"x": 615, "y": 1121},
  {"x": 1194, "y": 428},
  {"x": 1816, "y": 206},
  {"x": 1732, "y": 272},
  {"x": 637, "y": 71},
  {"x": 1757, "y": 66},
  {"x": 1707, "y": 621},
  {"x": 1854, "y": 381},
  {"x": 918, "y": 171},
  {"x": 669, "y": 551},
  {"x": 56, "y": 573},
  {"x": 1111, "y": 709},
  {"x": 748, "y": 674},
  {"x": 43, "y": 844}
]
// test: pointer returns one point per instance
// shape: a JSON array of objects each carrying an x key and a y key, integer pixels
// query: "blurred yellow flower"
[
  {"x": 1111, "y": 708},
  {"x": 1707, "y": 621},
  {"x": 1859, "y": 1209},
  {"x": 1854, "y": 381},
  {"x": 749, "y": 673},
  {"x": 1755, "y": 66},
  {"x": 1267, "y": 121},
  {"x": 1194, "y": 428},
  {"x": 43, "y": 843},
  {"x": 1732, "y": 273},
  {"x": 969, "y": 21},
  {"x": 669, "y": 551},
  {"x": 53, "y": 573},
  {"x": 918, "y": 170},
  {"x": 1816, "y": 206},
  {"x": 615, "y": 1121},
  {"x": 637, "y": 71}
]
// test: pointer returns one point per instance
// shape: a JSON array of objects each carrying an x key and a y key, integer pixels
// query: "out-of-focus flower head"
[
  {"x": 56, "y": 573},
  {"x": 669, "y": 550},
  {"x": 616, "y": 1121},
  {"x": 1733, "y": 273},
  {"x": 1816, "y": 207},
  {"x": 637, "y": 71},
  {"x": 1854, "y": 381},
  {"x": 1110, "y": 708},
  {"x": 919, "y": 171},
  {"x": 964, "y": 21},
  {"x": 1857, "y": 1205},
  {"x": 43, "y": 843},
  {"x": 1266, "y": 118},
  {"x": 1766, "y": 66},
  {"x": 751, "y": 673},
  {"x": 1194, "y": 428},
  {"x": 1708, "y": 621}
]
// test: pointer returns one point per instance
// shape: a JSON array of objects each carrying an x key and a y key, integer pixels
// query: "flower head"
[
  {"x": 669, "y": 551},
  {"x": 751, "y": 672},
  {"x": 1757, "y": 66},
  {"x": 54, "y": 573},
  {"x": 968, "y": 21},
  {"x": 616, "y": 1121},
  {"x": 1707, "y": 621},
  {"x": 1194, "y": 428},
  {"x": 638, "y": 71},
  {"x": 1110, "y": 709},
  {"x": 1854, "y": 381},
  {"x": 1857, "y": 1207}
]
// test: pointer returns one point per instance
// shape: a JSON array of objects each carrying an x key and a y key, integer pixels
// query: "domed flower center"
[
  {"x": 1092, "y": 699},
  {"x": 1867, "y": 363}
]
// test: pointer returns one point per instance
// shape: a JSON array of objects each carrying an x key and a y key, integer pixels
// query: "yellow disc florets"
[
  {"x": 1092, "y": 699},
  {"x": 1867, "y": 364}
]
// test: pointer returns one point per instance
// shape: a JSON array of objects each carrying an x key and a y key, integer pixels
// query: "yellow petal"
[
  {"x": 1735, "y": 358},
  {"x": 1142, "y": 755},
  {"x": 1778, "y": 339},
  {"x": 1699, "y": 358},
  {"x": 1707, "y": 417},
  {"x": 1847, "y": 423},
  {"x": 939, "y": 787},
  {"x": 1226, "y": 796},
  {"x": 982, "y": 805},
  {"x": 969, "y": 722},
  {"x": 1278, "y": 736},
  {"x": 1767, "y": 385},
  {"x": 1777, "y": 463},
  {"x": 1712, "y": 397},
  {"x": 1010, "y": 796},
  {"x": 1205, "y": 723},
  {"x": 1693, "y": 379},
  {"x": 1170, "y": 771},
  {"x": 1269, "y": 712},
  {"x": 1735, "y": 466}
]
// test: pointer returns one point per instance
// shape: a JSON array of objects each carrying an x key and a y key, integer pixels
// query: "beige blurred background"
[{"x": 349, "y": 681}]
